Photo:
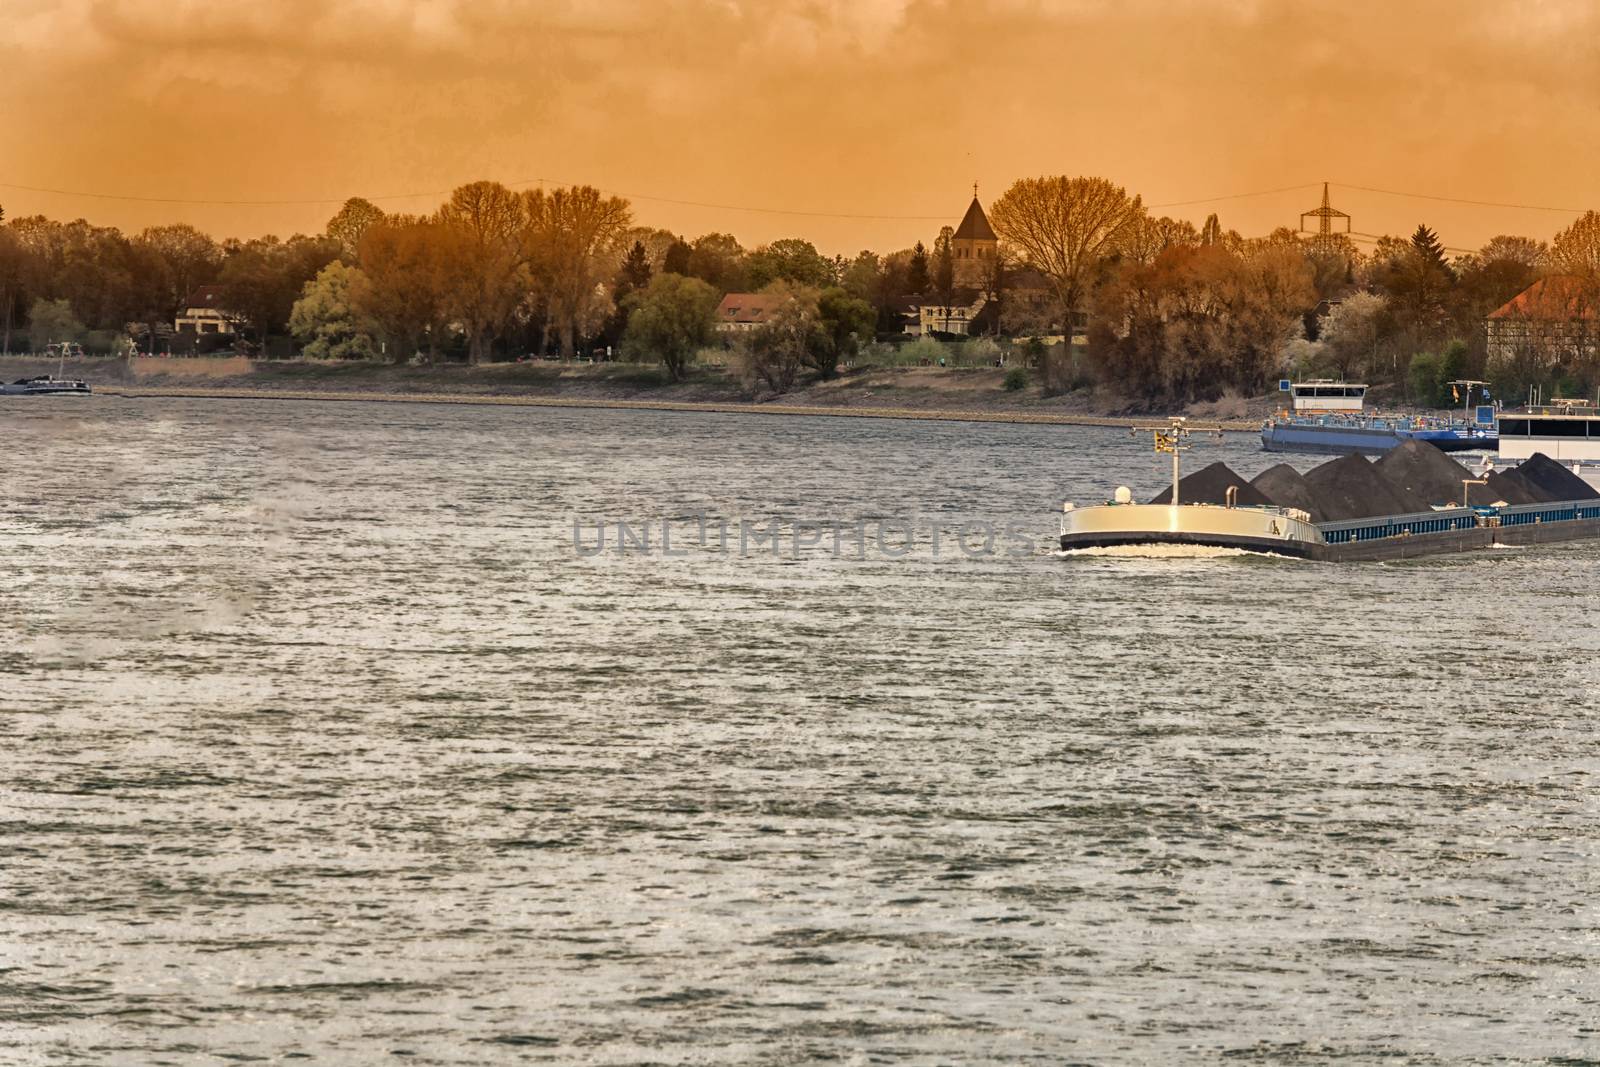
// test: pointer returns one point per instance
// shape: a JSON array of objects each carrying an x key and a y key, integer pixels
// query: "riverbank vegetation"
[{"x": 1090, "y": 292}]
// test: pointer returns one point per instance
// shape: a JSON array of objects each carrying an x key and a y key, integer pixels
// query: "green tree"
[
  {"x": 635, "y": 273},
  {"x": 719, "y": 260},
  {"x": 944, "y": 273},
  {"x": 13, "y": 280},
  {"x": 326, "y": 322},
  {"x": 863, "y": 277},
  {"x": 1425, "y": 376},
  {"x": 917, "y": 278},
  {"x": 672, "y": 319},
  {"x": 1426, "y": 243},
  {"x": 789, "y": 339},
  {"x": 676, "y": 260},
  {"x": 263, "y": 278},
  {"x": 846, "y": 322},
  {"x": 790, "y": 260},
  {"x": 52, "y": 320}
]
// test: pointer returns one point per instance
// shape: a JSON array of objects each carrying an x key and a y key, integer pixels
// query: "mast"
[{"x": 1172, "y": 438}]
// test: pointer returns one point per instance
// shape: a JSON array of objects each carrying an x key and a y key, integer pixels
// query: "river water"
[{"x": 325, "y": 739}]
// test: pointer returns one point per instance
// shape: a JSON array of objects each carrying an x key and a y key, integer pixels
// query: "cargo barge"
[
  {"x": 1247, "y": 521},
  {"x": 1328, "y": 417}
]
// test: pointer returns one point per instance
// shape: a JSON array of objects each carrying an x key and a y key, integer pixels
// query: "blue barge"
[
  {"x": 1335, "y": 434},
  {"x": 1327, "y": 418}
]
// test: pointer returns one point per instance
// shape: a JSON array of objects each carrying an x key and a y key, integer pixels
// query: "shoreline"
[{"x": 709, "y": 407}]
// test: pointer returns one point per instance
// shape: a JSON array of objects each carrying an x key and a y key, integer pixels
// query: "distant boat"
[
  {"x": 1328, "y": 418},
  {"x": 1568, "y": 431},
  {"x": 51, "y": 384},
  {"x": 46, "y": 385}
]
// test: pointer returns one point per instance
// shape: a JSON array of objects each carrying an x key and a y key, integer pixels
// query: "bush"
[
  {"x": 979, "y": 352},
  {"x": 1016, "y": 379},
  {"x": 1033, "y": 352},
  {"x": 923, "y": 349},
  {"x": 1424, "y": 376}
]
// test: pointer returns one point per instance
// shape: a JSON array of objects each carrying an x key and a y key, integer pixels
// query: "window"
[
  {"x": 1558, "y": 428},
  {"x": 1513, "y": 427}
]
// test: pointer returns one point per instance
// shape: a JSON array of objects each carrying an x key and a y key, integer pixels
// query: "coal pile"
[
  {"x": 1287, "y": 488},
  {"x": 1209, "y": 485},
  {"x": 1545, "y": 480},
  {"x": 1424, "y": 471},
  {"x": 1502, "y": 487},
  {"x": 1351, "y": 488}
]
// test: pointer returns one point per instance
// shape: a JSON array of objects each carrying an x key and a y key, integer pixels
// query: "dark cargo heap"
[
  {"x": 1351, "y": 488},
  {"x": 1426, "y": 472},
  {"x": 1410, "y": 479},
  {"x": 1210, "y": 485}
]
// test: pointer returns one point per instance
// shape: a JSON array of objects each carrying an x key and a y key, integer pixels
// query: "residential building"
[
  {"x": 204, "y": 313},
  {"x": 1553, "y": 321},
  {"x": 741, "y": 312},
  {"x": 923, "y": 318}
]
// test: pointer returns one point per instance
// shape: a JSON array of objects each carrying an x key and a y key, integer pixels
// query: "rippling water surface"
[{"x": 322, "y": 742}]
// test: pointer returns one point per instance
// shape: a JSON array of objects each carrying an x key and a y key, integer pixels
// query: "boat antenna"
[{"x": 1171, "y": 438}]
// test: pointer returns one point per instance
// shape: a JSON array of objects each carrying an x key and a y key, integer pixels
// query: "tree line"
[{"x": 1169, "y": 312}]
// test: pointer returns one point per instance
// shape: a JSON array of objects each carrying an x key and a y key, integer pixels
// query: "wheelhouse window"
[{"x": 1559, "y": 428}]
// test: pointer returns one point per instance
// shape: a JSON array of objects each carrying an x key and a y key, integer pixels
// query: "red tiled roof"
[
  {"x": 748, "y": 307},
  {"x": 1559, "y": 298}
]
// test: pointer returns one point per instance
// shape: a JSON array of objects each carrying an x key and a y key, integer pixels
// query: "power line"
[
  {"x": 312, "y": 201},
  {"x": 1459, "y": 200},
  {"x": 759, "y": 210},
  {"x": 1236, "y": 195}
]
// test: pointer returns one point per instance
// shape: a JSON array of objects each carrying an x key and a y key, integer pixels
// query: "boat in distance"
[
  {"x": 46, "y": 385},
  {"x": 1567, "y": 431},
  {"x": 1328, "y": 417}
]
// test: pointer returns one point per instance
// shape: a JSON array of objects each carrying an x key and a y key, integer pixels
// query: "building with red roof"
[
  {"x": 1555, "y": 320},
  {"x": 739, "y": 312}
]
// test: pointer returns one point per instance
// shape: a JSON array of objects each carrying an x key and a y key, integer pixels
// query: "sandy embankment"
[{"x": 970, "y": 395}]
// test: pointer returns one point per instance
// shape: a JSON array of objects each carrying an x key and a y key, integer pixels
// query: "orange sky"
[{"x": 840, "y": 107}]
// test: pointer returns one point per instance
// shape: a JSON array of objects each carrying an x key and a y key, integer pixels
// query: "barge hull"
[
  {"x": 1454, "y": 541},
  {"x": 1339, "y": 441},
  {"x": 1449, "y": 542},
  {"x": 1272, "y": 545}
]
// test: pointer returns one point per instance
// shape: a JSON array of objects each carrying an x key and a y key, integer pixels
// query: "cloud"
[{"x": 844, "y": 106}]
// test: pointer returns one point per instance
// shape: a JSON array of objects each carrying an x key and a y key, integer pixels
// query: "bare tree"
[
  {"x": 352, "y": 222},
  {"x": 1064, "y": 227},
  {"x": 409, "y": 267},
  {"x": 487, "y": 286},
  {"x": 576, "y": 234}
]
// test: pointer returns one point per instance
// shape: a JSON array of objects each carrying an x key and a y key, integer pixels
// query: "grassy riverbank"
[{"x": 976, "y": 394}]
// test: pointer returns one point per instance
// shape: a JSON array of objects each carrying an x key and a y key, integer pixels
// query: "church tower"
[{"x": 974, "y": 247}]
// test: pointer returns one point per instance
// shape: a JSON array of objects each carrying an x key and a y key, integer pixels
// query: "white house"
[{"x": 204, "y": 313}]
